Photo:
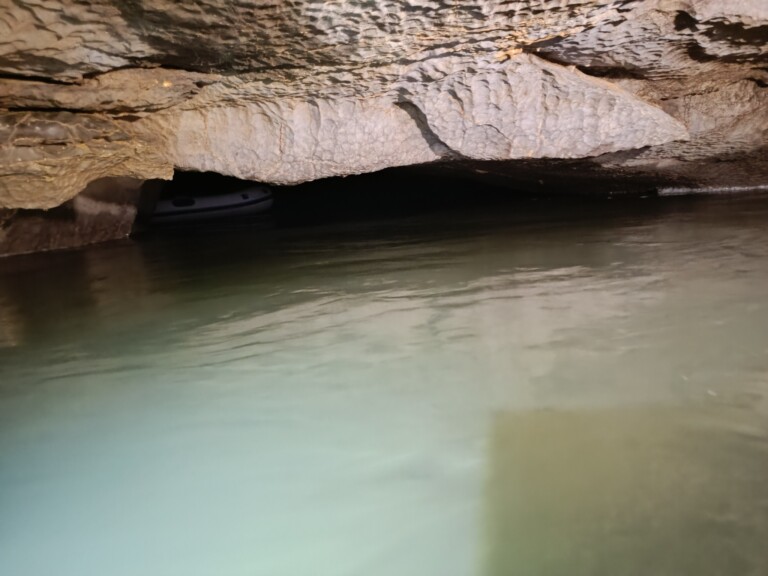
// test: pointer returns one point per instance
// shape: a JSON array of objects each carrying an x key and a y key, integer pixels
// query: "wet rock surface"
[
  {"x": 284, "y": 92},
  {"x": 105, "y": 210}
]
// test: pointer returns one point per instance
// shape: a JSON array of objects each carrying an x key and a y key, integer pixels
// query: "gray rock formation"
[{"x": 285, "y": 91}]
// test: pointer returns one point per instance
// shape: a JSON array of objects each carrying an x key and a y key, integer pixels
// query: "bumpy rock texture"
[{"x": 285, "y": 91}]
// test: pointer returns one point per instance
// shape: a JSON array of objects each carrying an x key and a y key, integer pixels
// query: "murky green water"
[{"x": 493, "y": 394}]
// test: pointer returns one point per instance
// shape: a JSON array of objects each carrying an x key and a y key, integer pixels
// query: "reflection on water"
[
  {"x": 10, "y": 324},
  {"x": 583, "y": 393}
]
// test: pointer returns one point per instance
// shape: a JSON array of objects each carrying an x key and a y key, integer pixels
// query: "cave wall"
[
  {"x": 105, "y": 210},
  {"x": 286, "y": 91}
]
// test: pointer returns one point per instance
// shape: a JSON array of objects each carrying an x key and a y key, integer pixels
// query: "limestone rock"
[
  {"x": 105, "y": 210},
  {"x": 133, "y": 90},
  {"x": 47, "y": 158},
  {"x": 529, "y": 108},
  {"x": 294, "y": 141},
  {"x": 285, "y": 91}
]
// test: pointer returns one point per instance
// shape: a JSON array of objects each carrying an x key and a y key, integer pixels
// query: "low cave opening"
[
  {"x": 207, "y": 203},
  {"x": 207, "y": 200},
  {"x": 202, "y": 199}
]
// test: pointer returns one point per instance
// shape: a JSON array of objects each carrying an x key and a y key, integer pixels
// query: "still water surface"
[{"x": 496, "y": 393}]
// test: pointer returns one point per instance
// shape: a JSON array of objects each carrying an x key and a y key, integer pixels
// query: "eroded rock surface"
[
  {"x": 289, "y": 91},
  {"x": 104, "y": 210}
]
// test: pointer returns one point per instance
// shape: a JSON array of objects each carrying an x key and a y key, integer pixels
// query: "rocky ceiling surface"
[{"x": 286, "y": 91}]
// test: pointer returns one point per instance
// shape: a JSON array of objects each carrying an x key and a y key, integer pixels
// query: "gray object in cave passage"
[{"x": 195, "y": 208}]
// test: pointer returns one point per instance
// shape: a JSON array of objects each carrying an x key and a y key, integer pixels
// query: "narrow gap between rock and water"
[{"x": 208, "y": 201}]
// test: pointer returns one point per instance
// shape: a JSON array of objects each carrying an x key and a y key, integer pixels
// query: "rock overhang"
[{"x": 286, "y": 92}]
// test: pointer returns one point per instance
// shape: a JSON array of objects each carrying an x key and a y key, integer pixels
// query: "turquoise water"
[{"x": 554, "y": 390}]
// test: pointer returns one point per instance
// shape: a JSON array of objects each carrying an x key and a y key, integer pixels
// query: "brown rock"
[{"x": 292, "y": 90}]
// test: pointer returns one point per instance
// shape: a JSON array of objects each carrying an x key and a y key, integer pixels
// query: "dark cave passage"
[
  {"x": 395, "y": 193},
  {"x": 392, "y": 193}
]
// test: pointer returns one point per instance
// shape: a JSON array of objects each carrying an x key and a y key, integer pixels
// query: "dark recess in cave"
[
  {"x": 394, "y": 193},
  {"x": 391, "y": 193}
]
